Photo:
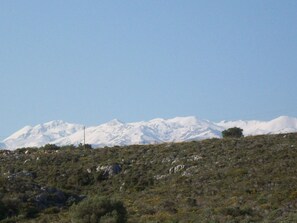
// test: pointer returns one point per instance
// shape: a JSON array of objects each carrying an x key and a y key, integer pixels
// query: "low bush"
[
  {"x": 98, "y": 209},
  {"x": 232, "y": 133}
]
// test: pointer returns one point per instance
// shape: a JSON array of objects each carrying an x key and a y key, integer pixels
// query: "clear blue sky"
[{"x": 91, "y": 61}]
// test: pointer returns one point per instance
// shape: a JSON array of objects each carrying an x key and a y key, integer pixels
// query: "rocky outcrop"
[{"x": 109, "y": 170}]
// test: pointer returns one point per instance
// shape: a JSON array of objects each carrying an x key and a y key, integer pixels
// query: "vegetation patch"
[{"x": 246, "y": 179}]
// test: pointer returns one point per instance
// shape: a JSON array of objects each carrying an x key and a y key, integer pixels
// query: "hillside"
[{"x": 252, "y": 179}]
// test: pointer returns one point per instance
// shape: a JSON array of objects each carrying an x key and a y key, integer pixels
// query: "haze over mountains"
[{"x": 159, "y": 130}]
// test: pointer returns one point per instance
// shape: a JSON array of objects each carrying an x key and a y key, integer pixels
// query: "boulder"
[{"x": 109, "y": 170}]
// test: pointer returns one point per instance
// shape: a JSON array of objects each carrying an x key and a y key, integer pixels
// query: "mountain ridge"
[{"x": 158, "y": 130}]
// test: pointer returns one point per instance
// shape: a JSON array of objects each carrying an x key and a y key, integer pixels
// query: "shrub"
[
  {"x": 98, "y": 209},
  {"x": 3, "y": 210},
  {"x": 232, "y": 133},
  {"x": 51, "y": 147},
  {"x": 12, "y": 205},
  {"x": 237, "y": 211}
]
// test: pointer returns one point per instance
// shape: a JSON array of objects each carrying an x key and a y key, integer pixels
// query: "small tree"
[
  {"x": 51, "y": 147},
  {"x": 234, "y": 132}
]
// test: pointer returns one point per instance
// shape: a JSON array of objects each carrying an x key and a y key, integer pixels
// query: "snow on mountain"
[
  {"x": 282, "y": 124},
  {"x": 183, "y": 129},
  {"x": 154, "y": 131},
  {"x": 42, "y": 134},
  {"x": 158, "y": 130}
]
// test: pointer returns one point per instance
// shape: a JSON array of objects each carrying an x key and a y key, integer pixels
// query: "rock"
[
  {"x": 176, "y": 169},
  {"x": 26, "y": 161},
  {"x": 110, "y": 170},
  {"x": 160, "y": 177}
]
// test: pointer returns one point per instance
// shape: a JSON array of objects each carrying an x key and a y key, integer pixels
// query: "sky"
[{"x": 89, "y": 62}]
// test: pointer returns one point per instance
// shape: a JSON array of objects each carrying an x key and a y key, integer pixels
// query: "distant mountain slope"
[
  {"x": 282, "y": 124},
  {"x": 41, "y": 134},
  {"x": 154, "y": 131},
  {"x": 159, "y": 130}
]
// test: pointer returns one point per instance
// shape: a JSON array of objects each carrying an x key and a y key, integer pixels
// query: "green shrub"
[
  {"x": 52, "y": 210},
  {"x": 51, "y": 147},
  {"x": 232, "y": 133},
  {"x": 98, "y": 209},
  {"x": 3, "y": 210},
  {"x": 237, "y": 211},
  {"x": 12, "y": 205}
]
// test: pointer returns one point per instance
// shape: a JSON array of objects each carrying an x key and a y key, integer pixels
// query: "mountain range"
[{"x": 159, "y": 130}]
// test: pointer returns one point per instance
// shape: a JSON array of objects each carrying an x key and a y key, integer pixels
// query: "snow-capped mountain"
[
  {"x": 42, "y": 134},
  {"x": 159, "y": 130},
  {"x": 154, "y": 131},
  {"x": 282, "y": 124}
]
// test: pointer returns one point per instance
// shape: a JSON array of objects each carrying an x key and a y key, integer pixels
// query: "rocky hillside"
[{"x": 252, "y": 179}]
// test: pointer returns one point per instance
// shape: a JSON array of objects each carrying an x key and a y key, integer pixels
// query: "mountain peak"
[
  {"x": 41, "y": 134},
  {"x": 157, "y": 130},
  {"x": 187, "y": 120},
  {"x": 284, "y": 119},
  {"x": 55, "y": 122},
  {"x": 114, "y": 122}
]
